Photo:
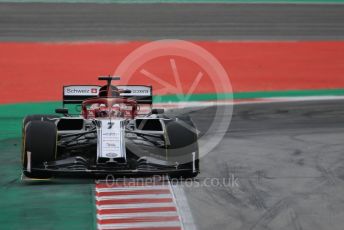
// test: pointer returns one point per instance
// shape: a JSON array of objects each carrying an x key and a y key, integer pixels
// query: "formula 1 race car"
[{"x": 118, "y": 133}]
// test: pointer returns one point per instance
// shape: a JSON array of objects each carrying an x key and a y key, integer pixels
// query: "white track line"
[
  {"x": 183, "y": 207},
  {"x": 139, "y": 225},
  {"x": 131, "y": 188},
  {"x": 141, "y": 205},
  {"x": 180, "y": 105},
  {"x": 119, "y": 197}
]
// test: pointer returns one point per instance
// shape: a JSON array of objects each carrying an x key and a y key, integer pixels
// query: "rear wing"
[
  {"x": 76, "y": 94},
  {"x": 141, "y": 93}
]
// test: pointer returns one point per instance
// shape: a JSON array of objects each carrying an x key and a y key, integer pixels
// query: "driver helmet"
[
  {"x": 104, "y": 91},
  {"x": 101, "y": 110}
]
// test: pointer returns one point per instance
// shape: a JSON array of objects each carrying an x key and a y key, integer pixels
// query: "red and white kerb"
[{"x": 136, "y": 207}]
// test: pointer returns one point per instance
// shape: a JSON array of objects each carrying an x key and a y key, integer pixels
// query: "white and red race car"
[{"x": 114, "y": 134}]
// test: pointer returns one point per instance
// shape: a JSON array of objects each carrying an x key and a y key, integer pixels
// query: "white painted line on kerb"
[
  {"x": 131, "y": 188},
  {"x": 140, "y": 225},
  {"x": 119, "y": 197},
  {"x": 140, "y": 205},
  {"x": 126, "y": 215}
]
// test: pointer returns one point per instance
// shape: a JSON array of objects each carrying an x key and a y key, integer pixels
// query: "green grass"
[{"x": 55, "y": 205}]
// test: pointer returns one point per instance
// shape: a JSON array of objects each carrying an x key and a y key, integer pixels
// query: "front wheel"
[
  {"x": 39, "y": 146},
  {"x": 183, "y": 146}
]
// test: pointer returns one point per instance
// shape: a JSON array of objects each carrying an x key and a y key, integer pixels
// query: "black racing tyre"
[
  {"x": 183, "y": 146},
  {"x": 39, "y": 139}
]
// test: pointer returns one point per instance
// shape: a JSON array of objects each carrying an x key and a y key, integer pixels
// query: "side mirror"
[
  {"x": 61, "y": 110},
  {"x": 158, "y": 111}
]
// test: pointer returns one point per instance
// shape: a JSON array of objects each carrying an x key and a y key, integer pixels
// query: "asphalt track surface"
[
  {"x": 288, "y": 160},
  {"x": 65, "y": 22}
]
